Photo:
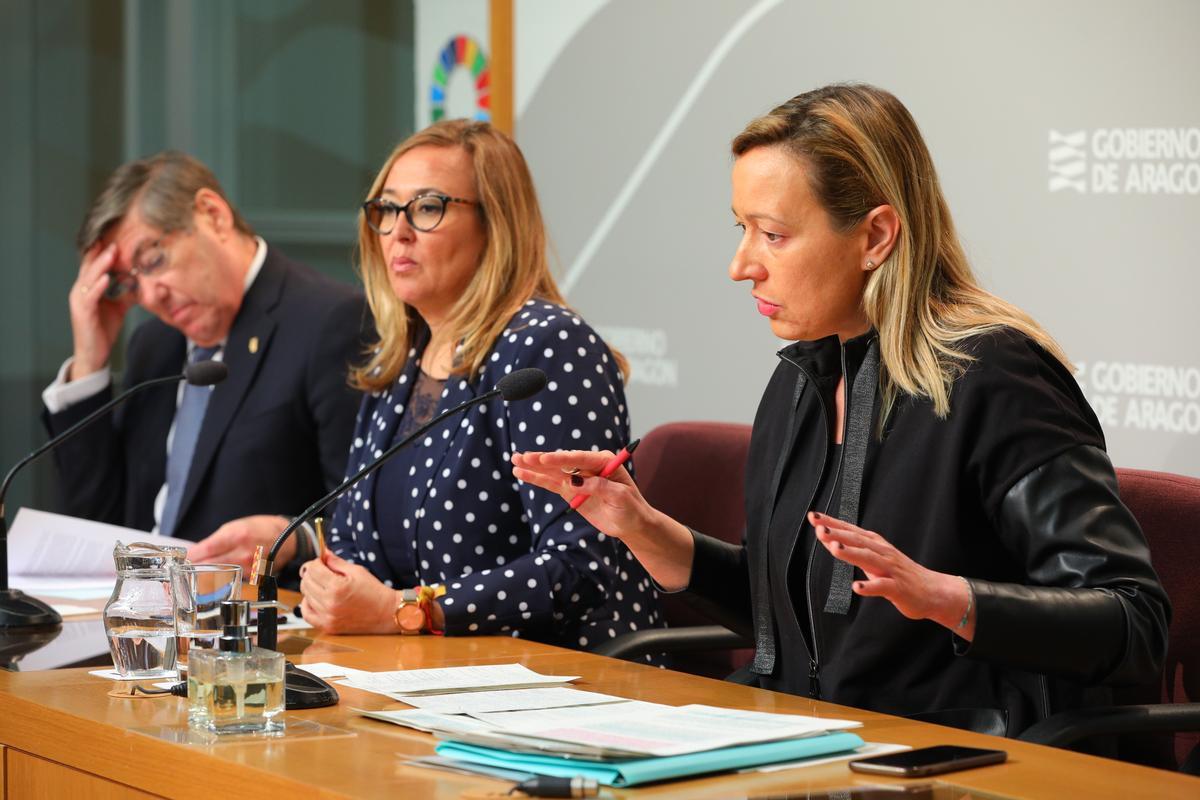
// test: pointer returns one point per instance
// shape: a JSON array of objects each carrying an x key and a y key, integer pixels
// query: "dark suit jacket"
[{"x": 276, "y": 432}]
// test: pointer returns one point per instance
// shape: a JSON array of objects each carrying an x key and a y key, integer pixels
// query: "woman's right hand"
[
  {"x": 95, "y": 320},
  {"x": 615, "y": 507},
  {"x": 342, "y": 597}
]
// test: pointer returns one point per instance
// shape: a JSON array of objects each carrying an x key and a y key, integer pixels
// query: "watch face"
[{"x": 410, "y": 618}]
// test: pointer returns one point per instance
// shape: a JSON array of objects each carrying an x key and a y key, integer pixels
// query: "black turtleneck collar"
[{"x": 822, "y": 358}]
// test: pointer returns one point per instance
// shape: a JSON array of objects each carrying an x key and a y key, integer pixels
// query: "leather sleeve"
[
  {"x": 720, "y": 582},
  {"x": 1093, "y": 610}
]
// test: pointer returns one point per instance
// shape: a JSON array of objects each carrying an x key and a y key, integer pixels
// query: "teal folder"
[{"x": 634, "y": 771}]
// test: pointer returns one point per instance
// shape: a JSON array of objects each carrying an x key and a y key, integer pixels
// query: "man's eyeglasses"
[
  {"x": 148, "y": 262},
  {"x": 424, "y": 212}
]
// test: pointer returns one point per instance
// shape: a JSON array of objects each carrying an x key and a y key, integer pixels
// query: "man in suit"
[{"x": 224, "y": 466}]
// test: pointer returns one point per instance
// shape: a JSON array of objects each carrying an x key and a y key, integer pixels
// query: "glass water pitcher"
[{"x": 140, "y": 616}]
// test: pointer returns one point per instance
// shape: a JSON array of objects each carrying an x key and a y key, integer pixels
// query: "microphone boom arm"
[
  {"x": 268, "y": 588},
  {"x": 74, "y": 429},
  {"x": 17, "y": 609}
]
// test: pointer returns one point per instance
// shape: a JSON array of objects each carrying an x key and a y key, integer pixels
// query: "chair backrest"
[
  {"x": 695, "y": 472},
  {"x": 1167, "y": 506}
]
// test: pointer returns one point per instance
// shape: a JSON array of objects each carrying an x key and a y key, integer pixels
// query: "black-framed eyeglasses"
[
  {"x": 424, "y": 212},
  {"x": 149, "y": 262}
]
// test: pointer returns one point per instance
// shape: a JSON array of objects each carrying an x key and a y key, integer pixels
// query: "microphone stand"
[
  {"x": 302, "y": 689},
  {"x": 17, "y": 609}
]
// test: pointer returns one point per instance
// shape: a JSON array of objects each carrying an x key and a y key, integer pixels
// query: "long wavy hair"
[
  {"x": 862, "y": 149},
  {"x": 512, "y": 270}
]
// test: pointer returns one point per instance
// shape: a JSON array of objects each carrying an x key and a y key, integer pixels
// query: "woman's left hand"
[
  {"x": 341, "y": 597},
  {"x": 916, "y": 592}
]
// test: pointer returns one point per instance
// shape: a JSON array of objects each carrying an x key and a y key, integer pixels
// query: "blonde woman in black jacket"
[{"x": 933, "y": 526}]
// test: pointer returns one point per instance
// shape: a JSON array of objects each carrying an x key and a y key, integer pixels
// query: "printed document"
[
  {"x": 508, "y": 700},
  {"x": 41, "y": 545},
  {"x": 538, "y": 719},
  {"x": 446, "y": 724},
  {"x": 407, "y": 682},
  {"x": 669, "y": 731}
]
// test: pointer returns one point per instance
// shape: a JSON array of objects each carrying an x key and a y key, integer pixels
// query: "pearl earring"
[{"x": 870, "y": 264}]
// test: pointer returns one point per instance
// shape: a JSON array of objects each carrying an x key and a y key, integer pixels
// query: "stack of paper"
[
  {"x": 508, "y": 719},
  {"x": 659, "y": 731},
  {"x": 626, "y": 747},
  {"x": 457, "y": 699},
  {"x": 636, "y": 771},
  {"x": 59, "y": 556},
  {"x": 494, "y": 711},
  {"x": 403, "y": 683}
]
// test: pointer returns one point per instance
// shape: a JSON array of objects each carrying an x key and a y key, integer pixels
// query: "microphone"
[
  {"x": 519, "y": 385},
  {"x": 203, "y": 373},
  {"x": 17, "y": 609},
  {"x": 304, "y": 690}
]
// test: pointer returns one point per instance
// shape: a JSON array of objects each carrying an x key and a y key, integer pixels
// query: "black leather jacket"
[{"x": 1013, "y": 490}]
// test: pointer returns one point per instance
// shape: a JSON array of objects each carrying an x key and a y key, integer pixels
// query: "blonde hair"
[
  {"x": 512, "y": 270},
  {"x": 862, "y": 149}
]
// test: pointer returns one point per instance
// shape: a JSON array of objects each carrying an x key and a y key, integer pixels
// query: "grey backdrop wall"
[{"x": 1066, "y": 134}]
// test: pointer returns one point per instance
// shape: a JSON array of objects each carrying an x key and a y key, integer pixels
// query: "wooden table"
[{"x": 63, "y": 736}]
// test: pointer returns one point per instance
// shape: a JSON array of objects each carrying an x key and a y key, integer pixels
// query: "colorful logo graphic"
[{"x": 461, "y": 51}]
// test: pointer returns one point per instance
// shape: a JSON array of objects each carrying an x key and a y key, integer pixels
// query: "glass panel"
[{"x": 293, "y": 103}]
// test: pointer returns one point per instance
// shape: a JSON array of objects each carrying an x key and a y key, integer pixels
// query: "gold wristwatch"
[{"x": 410, "y": 617}]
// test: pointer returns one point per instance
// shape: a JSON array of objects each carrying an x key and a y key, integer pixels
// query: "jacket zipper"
[
  {"x": 814, "y": 679},
  {"x": 814, "y": 653},
  {"x": 814, "y": 665}
]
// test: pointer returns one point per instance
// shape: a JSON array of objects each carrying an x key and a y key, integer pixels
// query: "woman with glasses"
[
  {"x": 933, "y": 526},
  {"x": 452, "y": 251}
]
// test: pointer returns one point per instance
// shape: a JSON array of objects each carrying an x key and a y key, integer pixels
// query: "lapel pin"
[{"x": 253, "y": 345}]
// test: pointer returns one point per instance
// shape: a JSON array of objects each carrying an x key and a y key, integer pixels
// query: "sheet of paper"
[
  {"x": 508, "y": 700},
  {"x": 42, "y": 543},
  {"x": 450, "y": 724},
  {"x": 67, "y": 610},
  {"x": 113, "y": 675},
  {"x": 67, "y": 588},
  {"x": 295, "y": 623},
  {"x": 719, "y": 716},
  {"x": 536, "y": 719},
  {"x": 323, "y": 669},
  {"x": 866, "y": 751},
  {"x": 515, "y": 742},
  {"x": 406, "y": 682},
  {"x": 689, "y": 729}
]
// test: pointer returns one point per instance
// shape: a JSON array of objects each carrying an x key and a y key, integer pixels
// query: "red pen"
[{"x": 612, "y": 466}]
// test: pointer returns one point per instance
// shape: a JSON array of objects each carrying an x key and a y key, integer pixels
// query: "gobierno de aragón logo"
[
  {"x": 1141, "y": 396},
  {"x": 1125, "y": 161}
]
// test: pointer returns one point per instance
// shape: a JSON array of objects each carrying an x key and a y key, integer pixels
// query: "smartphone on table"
[{"x": 928, "y": 761}]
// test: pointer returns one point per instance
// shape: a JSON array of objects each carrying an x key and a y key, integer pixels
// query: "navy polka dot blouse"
[{"x": 467, "y": 523}]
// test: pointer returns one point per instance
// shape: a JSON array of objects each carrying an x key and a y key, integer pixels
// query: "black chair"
[
  {"x": 693, "y": 471},
  {"x": 1157, "y": 724}
]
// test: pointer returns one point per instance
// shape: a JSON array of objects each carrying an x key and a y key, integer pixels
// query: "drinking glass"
[{"x": 198, "y": 590}]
